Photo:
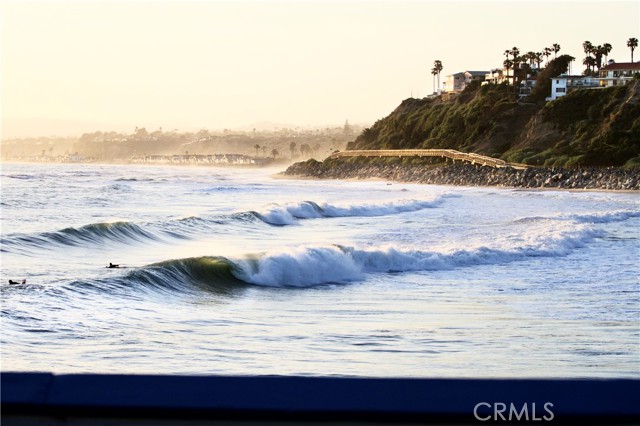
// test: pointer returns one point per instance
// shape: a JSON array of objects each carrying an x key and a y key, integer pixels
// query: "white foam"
[
  {"x": 383, "y": 209},
  {"x": 288, "y": 214},
  {"x": 595, "y": 217},
  {"x": 306, "y": 266},
  {"x": 605, "y": 217},
  {"x": 300, "y": 267}
]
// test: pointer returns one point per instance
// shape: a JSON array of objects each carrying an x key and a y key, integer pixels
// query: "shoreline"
[
  {"x": 585, "y": 179},
  {"x": 609, "y": 179},
  {"x": 281, "y": 175}
]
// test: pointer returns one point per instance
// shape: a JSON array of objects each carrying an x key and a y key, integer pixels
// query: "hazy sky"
[{"x": 70, "y": 67}]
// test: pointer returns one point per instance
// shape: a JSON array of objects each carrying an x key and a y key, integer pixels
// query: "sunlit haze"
[{"x": 73, "y": 67}]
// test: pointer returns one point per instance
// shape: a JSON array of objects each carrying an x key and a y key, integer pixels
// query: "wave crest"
[
  {"x": 289, "y": 214},
  {"x": 95, "y": 233},
  {"x": 307, "y": 266}
]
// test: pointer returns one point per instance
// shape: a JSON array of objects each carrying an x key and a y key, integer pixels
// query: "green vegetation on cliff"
[
  {"x": 484, "y": 120},
  {"x": 598, "y": 127},
  {"x": 587, "y": 127}
]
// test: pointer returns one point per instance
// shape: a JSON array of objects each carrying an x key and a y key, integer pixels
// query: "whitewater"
[{"x": 237, "y": 271}]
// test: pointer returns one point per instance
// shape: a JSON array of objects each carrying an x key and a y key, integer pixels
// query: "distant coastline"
[
  {"x": 160, "y": 146},
  {"x": 262, "y": 163}
]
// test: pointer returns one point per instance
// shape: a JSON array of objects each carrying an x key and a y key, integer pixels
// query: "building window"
[
  {"x": 557, "y": 81},
  {"x": 560, "y": 90}
]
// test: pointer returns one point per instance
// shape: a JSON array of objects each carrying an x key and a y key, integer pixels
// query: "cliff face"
[
  {"x": 589, "y": 127},
  {"x": 586, "y": 128}
]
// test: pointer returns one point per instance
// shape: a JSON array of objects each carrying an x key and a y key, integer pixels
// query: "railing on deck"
[
  {"x": 92, "y": 399},
  {"x": 443, "y": 153}
]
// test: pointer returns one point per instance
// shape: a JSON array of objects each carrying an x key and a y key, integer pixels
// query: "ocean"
[{"x": 232, "y": 271}]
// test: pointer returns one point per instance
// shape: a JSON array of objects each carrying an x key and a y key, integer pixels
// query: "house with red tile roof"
[{"x": 618, "y": 73}]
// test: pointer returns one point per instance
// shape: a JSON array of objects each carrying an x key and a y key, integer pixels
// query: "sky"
[{"x": 69, "y": 67}]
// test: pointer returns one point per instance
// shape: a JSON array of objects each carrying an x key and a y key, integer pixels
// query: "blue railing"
[{"x": 145, "y": 399}]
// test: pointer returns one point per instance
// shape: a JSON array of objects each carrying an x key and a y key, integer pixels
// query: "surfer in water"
[
  {"x": 111, "y": 265},
  {"x": 16, "y": 282}
]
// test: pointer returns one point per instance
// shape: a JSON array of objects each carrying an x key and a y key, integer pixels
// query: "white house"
[
  {"x": 527, "y": 85},
  {"x": 458, "y": 81},
  {"x": 618, "y": 73},
  {"x": 564, "y": 84},
  {"x": 454, "y": 82},
  {"x": 497, "y": 76}
]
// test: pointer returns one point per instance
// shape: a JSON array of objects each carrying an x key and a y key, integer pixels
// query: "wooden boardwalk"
[{"x": 442, "y": 153}]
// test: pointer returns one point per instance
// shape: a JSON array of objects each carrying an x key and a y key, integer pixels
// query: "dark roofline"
[{"x": 622, "y": 66}]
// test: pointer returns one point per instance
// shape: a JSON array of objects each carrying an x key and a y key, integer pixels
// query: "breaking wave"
[
  {"x": 195, "y": 226},
  {"x": 307, "y": 266},
  {"x": 95, "y": 233},
  {"x": 288, "y": 214}
]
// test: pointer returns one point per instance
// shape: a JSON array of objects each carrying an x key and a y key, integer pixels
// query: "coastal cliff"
[
  {"x": 586, "y": 128},
  {"x": 589, "y": 139}
]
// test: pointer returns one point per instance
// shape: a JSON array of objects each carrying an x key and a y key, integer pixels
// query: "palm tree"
[
  {"x": 632, "y": 43},
  {"x": 437, "y": 65},
  {"x": 257, "y": 147},
  {"x": 589, "y": 61},
  {"x": 606, "y": 49},
  {"x": 547, "y": 52},
  {"x": 538, "y": 58},
  {"x": 515, "y": 52},
  {"x": 512, "y": 63},
  {"x": 508, "y": 64},
  {"x": 587, "y": 46},
  {"x": 434, "y": 72},
  {"x": 516, "y": 64},
  {"x": 597, "y": 54},
  {"x": 292, "y": 148},
  {"x": 274, "y": 153},
  {"x": 304, "y": 149},
  {"x": 556, "y": 49}
]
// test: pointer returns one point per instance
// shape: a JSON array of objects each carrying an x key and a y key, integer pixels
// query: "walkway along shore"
[
  {"x": 465, "y": 174},
  {"x": 450, "y": 154}
]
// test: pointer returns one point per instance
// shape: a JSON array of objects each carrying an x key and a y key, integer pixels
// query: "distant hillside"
[
  {"x": 113, "y": 146},
  {"x": 598, "y": 127}
]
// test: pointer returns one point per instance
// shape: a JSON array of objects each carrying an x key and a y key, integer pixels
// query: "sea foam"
[
  {"x": 289, "y": 214},
  {"x": 311, "y": 265}
]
